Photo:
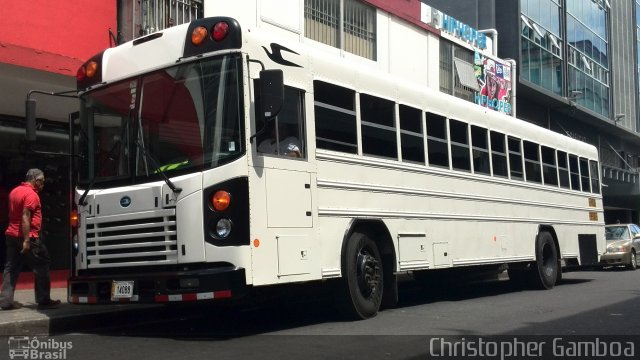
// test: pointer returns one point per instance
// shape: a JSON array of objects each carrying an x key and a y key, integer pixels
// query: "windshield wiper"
[
  {"x": 83, "y": 198},
  {"x": 155, "y": 163}
]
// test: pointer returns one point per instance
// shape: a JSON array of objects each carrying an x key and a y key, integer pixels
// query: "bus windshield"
[{"x": 185, "y": 118}]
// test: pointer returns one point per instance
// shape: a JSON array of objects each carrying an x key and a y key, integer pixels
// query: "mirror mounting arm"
[{"x": 30, "y": 110}]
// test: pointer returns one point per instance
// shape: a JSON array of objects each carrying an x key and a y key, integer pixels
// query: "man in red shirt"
[{"x": 23, "y": 243}]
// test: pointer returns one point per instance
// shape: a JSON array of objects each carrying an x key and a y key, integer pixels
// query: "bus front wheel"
[
  {"x": 544, "y": 272},
  {"x": 362, "y": 277}
]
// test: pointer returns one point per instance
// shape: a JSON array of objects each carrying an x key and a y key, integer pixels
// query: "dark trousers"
[{"x": 37, "y": 258}]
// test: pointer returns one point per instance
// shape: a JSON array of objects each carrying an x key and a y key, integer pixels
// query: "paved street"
[{"x": 303, "y": 324}]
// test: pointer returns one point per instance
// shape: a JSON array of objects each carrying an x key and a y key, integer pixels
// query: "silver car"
[{"x": 623, "y": 243}]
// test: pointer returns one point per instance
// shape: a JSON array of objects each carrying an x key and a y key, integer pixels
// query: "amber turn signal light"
[
  {"x": 221, "y": 200},
  {"x": 73, "y": 219},
  {"x": 91, "y": 69},
  {"x": 199, "y": 35}
]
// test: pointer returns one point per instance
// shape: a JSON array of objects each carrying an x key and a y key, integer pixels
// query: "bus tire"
[
  {"x": 544, "y": 272},
  {"x": 363, "y": 278},
  {"x": 559, "y": 277}
]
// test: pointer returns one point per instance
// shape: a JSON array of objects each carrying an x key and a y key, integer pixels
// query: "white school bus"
[{"x": 177, "y": 202}]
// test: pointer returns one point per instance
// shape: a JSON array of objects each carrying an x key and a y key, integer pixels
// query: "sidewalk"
[
  {"x": 68, "y": 317},
  {"x": 25, "y": 280}
]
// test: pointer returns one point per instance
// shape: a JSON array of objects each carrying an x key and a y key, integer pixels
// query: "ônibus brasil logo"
[{"x": 34, "y": 348}]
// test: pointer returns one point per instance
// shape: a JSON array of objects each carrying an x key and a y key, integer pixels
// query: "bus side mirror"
[
  {"x": 30, "y": 112},
  {"x": 271, "y": 93}
]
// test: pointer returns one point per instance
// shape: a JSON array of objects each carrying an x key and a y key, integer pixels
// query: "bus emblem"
[
  {"x": 276, "y": 55},
  {"x": 125, "y": 201}
]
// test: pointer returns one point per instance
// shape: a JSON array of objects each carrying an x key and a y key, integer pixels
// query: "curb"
[
  {"x": 78, "y": 318},
  {"x": 134, "y": 314}
]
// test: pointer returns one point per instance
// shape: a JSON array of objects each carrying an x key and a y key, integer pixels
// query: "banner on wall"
[{"x": 494, "y": 81}]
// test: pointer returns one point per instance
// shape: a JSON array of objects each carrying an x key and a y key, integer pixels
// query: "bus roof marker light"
[
  {"x": 199, "y": 35},
  {"x": 220, "y": 31},
  {"x": 82, "y": 73},
  {"x": 221, "y": 200},
  {"x": 91, "y": 69}
]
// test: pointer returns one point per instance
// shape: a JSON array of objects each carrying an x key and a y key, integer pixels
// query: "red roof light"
[
  {"x": 81, "y": 74},
  {"x": 220, "y": 31}
]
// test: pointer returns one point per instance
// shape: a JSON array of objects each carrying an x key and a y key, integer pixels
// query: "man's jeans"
[{"x": 37, "y": 258}]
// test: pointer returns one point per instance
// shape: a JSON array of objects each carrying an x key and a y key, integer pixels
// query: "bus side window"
[
  {"x": 563, "y": 169},
  {"x": 499, "y": 155},
  {"x": 574, "y": 173},
  {"x": 378, "y": 127},
  {"x": 532, "y": 162},
  {"x": 459, "y": 135},
  {"x": 480, "y": 146},
  {"x": 584, "y": 175},
  {"x": 515, "y": 158},
  {"x": 411, "y": 138},
  {"x": 437, "y": 142},
  {"x": 549, "y": 167},
  {"x": 335, "y": 115},
  {"x": 595, "y": 177},
  {"x": 285, "y": 135}
]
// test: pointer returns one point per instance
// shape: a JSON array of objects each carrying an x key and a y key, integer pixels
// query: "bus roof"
[{"x": 166, "y": 47}]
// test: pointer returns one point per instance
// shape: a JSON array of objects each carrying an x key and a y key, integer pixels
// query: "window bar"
[{"x": 341, "y": 25}]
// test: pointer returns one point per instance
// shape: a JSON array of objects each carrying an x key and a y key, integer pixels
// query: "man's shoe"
[
  {"x": 13, "y": 306},
  {"x": 49, "y": 304}
]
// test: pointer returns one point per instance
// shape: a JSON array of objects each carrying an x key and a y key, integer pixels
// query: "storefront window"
[{"x": 541, "y": 57}]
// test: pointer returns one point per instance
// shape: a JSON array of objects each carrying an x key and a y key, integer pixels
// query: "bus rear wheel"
[
  {"x": 362, "y": 277},
  {"x": 544, "y": 272}
]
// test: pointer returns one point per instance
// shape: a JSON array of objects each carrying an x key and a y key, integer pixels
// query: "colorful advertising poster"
[{"x": 494, "y": 81}]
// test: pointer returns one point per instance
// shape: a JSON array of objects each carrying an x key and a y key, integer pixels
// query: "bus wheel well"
[
  {"x": 554, "y": 236},
  {"x": 379, "y": 233},
  {"x": 552, "y": 231}
]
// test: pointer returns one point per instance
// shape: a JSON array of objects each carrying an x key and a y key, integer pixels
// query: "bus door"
[{"x": 281, "y": 184}]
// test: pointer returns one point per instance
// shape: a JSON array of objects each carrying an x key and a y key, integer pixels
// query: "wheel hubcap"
[
  {"x": 548, "y": 260},
  {"x": 368, "y": 274}
]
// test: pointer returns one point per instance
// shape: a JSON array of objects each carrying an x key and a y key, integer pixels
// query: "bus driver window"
[{"x": 284, "y": 135}]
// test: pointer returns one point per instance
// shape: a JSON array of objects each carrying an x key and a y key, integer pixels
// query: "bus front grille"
[{"x": 146, "y": 238}]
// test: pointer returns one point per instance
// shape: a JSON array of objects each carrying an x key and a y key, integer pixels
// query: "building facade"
[
  {"x": 42, "y": 45},
  {"x": 577, "y": 74}
]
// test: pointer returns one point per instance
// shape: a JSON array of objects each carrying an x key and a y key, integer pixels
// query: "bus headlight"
[
  {"x": 223, "y": 228},
  {"x": 76, "y": 244}
]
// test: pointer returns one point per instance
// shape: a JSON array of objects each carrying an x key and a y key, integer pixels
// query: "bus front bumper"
[{"x": 159, "y": 287}]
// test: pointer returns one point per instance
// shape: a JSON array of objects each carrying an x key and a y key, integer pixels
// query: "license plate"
[{"x": 121, "y": 290}]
